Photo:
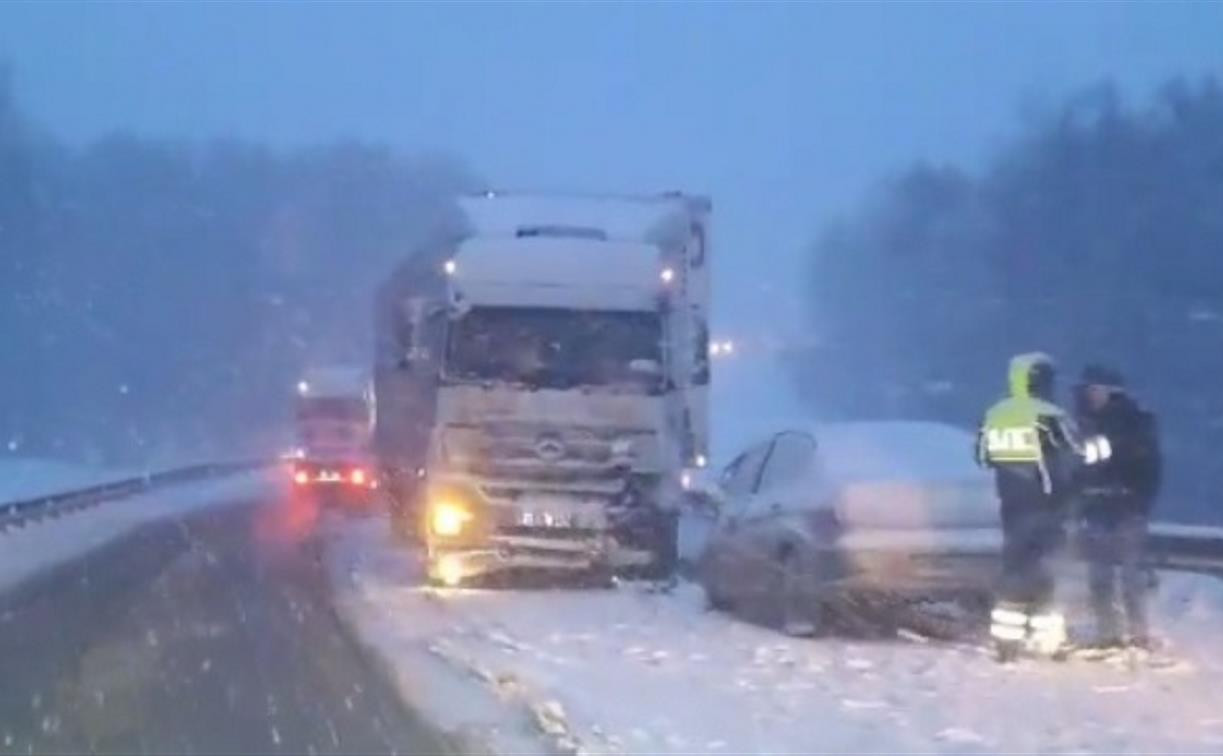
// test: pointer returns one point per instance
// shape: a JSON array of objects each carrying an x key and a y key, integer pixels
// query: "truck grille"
[
  {"x": 574, "y": 534},
  {"x": 504, "y": 448}
]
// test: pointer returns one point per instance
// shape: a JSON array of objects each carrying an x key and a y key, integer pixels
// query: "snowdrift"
[{"x": 629, "y": 671}]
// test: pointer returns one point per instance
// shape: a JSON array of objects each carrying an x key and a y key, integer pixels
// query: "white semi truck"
[{"x": 543, "y": 384}]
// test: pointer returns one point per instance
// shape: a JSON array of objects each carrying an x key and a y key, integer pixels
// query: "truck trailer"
[
  {"x": 334, "y": 421},
  {"x": 543, "y": 384}
]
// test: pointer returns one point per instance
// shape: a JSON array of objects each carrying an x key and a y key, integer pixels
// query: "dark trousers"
[
  {"x": 1033, "y": 529},
  {"x": 1115, "y": 548},
  {"x": 1030, "y": 537}
]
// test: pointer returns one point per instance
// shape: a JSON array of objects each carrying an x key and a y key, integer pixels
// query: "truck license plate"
[{"x": 545, "y": 519}]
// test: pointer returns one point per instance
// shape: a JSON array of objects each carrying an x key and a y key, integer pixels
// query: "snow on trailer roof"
[
  {"x": 558, "y": 272},
  {"x": 654, "y": 219}
]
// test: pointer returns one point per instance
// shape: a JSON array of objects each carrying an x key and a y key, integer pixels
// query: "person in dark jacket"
[{"x": 1116, "y": 497}]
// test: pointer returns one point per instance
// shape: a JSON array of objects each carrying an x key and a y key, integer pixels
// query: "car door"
[
  {"x": 789, "y": 486},
  {"x": 773, "y": 533},
  {"x": 726, "y": 555}
]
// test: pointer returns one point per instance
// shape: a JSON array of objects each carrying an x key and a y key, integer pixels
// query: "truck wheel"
[
  {"x": 665, "y": 550},
  {"x": 600, "y": 577}
]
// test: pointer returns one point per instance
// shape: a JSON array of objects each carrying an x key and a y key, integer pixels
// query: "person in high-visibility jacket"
[{"x": 1031, "y": 445}]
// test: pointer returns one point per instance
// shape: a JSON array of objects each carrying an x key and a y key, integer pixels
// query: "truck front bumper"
[{"x": 453, "y": 565}]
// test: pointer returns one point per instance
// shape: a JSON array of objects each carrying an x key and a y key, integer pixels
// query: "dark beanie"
[{"x": 1101, "y": 375}]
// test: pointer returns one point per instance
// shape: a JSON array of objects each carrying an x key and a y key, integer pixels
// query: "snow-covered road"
[
  {"x": 629, "y": 671},
  {"x": 207, "y": 629}
]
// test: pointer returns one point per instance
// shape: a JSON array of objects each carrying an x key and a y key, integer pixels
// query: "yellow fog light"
[
  {"x": 447, "y": 519},
  {"x": 450, "y": 570}
]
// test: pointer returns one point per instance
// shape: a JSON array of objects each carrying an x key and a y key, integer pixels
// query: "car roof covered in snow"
[
  {"x": 897, "y": 475},
  {"x": 897, "y": 450},
  {"x": 884, "y": 450},
  {"x": 558, "y": 272}
]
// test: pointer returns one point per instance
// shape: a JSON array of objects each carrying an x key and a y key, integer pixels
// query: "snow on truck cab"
[
  {"x": 571, "y": 385},
  {"x": 334, "y": 420}
]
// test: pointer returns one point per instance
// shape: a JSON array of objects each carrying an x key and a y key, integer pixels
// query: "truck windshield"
[{"x": 549, "y": 348}]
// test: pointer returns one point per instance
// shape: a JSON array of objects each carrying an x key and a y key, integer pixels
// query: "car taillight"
[
  {"x": 358, "y": 476},
  {"x": 301, "y": 477}
]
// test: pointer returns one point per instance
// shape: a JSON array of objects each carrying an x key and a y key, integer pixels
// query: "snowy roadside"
[
  {"x": 628, "y": 671},
  {"x": 26, "y": 551},
  {"x": 24, "y": 478}
]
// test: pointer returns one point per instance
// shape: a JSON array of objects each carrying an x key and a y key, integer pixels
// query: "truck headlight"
[{"x": 447, "y": 518}]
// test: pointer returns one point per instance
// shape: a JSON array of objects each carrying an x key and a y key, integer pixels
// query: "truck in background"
[
  {"x": 334, "y": 412},
  {"x": 543, "y": 384}
]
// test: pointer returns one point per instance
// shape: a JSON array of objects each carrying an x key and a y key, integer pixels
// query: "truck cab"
[{"x": 571, "y": 386}]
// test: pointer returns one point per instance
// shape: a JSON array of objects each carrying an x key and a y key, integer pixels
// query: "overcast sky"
[{"x": 784, "y": 113}]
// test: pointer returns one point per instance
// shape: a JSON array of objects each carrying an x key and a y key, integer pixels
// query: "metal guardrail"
[
  {"x": 1174, "y": 546},
  {"x": 1186, "y": 547},
  {"x": 22, "y": 512}
]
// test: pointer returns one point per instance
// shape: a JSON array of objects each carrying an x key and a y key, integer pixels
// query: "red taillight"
[
  {"x": 301, "y": 477},
  {"x": 357, "y": 476}
]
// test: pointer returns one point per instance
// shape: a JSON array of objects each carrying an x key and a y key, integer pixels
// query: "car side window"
[
  {"x": 726, "y": 479},
  {"x": 792, "y": 456},
  {"x": 740, "y": 476}
]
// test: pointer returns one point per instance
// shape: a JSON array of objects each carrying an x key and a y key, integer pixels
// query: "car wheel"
[
  {"x": 708, "y": 573},
  {"x": 799, "y": 609}
]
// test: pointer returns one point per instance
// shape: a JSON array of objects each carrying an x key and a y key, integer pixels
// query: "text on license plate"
[{"x": 547, "y": 519}]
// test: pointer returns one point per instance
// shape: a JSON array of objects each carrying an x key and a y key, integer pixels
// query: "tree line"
[
  {"x": 158, "y": 299},
  {"x": 1097, "y": 235}
]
